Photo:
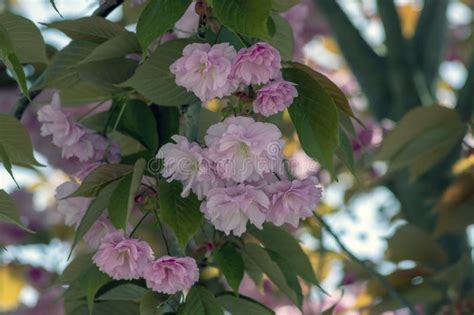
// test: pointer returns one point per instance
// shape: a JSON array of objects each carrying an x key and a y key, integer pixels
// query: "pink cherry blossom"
[
  {"x": 98, "y": 231},
  {"x": 205, "y": 70},
  {"x": 257, "y": 64},
  {"x": 292, "y": 200},
  {"x": 244, "y": 150},
  {"x": 72, "y": 208},
  {"x": 171, "y": 274},
  {"x": 57, "y": 123},
  {"x": 186, "y": 162},
  {"x": 274, "y": 97},
  {"x": 230, "y": 208},
  {"x": 121, "y": 257}
]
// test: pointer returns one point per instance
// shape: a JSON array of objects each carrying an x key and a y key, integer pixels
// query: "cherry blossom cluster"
[
  {"x": 124, "y": 258},
  {"x": 218, "y": 71},
  {"x": 240, "y": 176},
  {"x": 75, "y": 140}
]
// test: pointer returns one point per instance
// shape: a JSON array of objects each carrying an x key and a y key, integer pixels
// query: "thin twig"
[
  {"x": 390, "y": 289},
  {"x": 139, "y": 223},
  {"x": 162, "y": 232}
]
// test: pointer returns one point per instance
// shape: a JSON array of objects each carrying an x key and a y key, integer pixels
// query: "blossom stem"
[
  {"x": 139, "y": 223},
  {"x": 91, "y": 110},
  {"x": 162, "y": 232},
  {"x": 387, "y": 285}
]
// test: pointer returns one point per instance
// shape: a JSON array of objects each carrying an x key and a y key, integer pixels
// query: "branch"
[
  {"x": 387, "y": 285},
  {"x": 429, "y": 39},
  {"x": 368, "y": 67},
  {"x": 465, "y": 104},
  {"x": 22, "y": 104},
  {"x": 400, "y": 60}
]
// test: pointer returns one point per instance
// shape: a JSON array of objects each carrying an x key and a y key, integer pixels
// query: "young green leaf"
[
  {"x": 231, "y": 263},
  {"x": 7, "y": 163},
  {"x": 247, "y": 17},
  {"x": 201, "y": 301},
  {"x": 116, "y": 47},
  {"x": 26, "y": 40},
  {"x": 157, "y": 18},
  {"x": 8, "y": 212},
  {"x": 123, "y": 198},
  {"x": 100, "y": 177},
  {"x": 315, "y": 117},
  {"x": 243, "y": 305},
  {"x": 154, "y": 80},
  {"x": 283, "y": 243},
  {"x": 16, "y": 142},
  {"x": 92, "y": 280},
  {"x": 92, "y": 28},
  {"x": 262, "y": 259},
  {"x": 283, "y": 37},
  {"x": 181, "y": 214},
  {"x": 344, "y": 152},
  {"x": 94, "y": 211},
  {"x": 283, "y": 5}
]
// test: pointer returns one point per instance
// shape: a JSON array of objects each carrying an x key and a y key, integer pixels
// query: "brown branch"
[{"x": 22, "y": 104}]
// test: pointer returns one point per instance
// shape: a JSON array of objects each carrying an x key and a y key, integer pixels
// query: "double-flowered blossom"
[
  {"x": 205, "y": 70},
  {"x": 171, "y": 274},
  {"x": 243, "y": 149},
  {"x": 57, "y": 123},
  {"x": 274, "y": 97},
  {"x": 292, "y": 200},
  {"x": 217, "y": 71},
  {"x": 230, "y": 208},
  {"x": 257, "y": 64},
  {"x": 75, "y": 140},
  {"x": 186, "y": 162},
  {"x": 123, "y": 258}
]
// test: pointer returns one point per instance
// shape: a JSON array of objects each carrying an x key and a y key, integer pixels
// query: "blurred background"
[{"x": 368, "y": 215}]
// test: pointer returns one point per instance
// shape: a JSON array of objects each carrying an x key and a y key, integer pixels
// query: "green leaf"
[
  {"x": 344, "y": 152},
  {"x": 154, "y": 80},
  {"x": 107, "y": 73},
  {"x": 16, "y": 142},
  {"x": 100, "y": 177},
  {"x": 92, "y": 280},
  {"x": 414, "y": 123},
  {"x": 138, "y": 122},
  {"x": 262, "y": 259},
  {"x": 247, "y": 17},
  {"x": 201, "y": 301},
  {"x": 94, "y": 211},
  {"x": 150, "y": 303},
  {"x": 124, "y": 292},
  {"x": 315, "y": 117},
  {"x": 424, "y": 249},
  {"x": 82, "y": 93},
  {"x": 75, "y": 269},
  {"x": 231, "y": 263},
  {"x": 26, "y": 40},
  {"x": 330, "y": 87},
  {"x": 283, "y": 5},
  {"x": 290, "y": 275},
  {"x": 283, "y": 37},
  {"x": 157, "y": 18},
  {"x": 283, "y": 243},
  {"x": 7, "y": 163},
  {"x": 123, "y": 197},
  {"x": 168, "y": 122},
  {"x": 62, "y": 72},
  {"x": 243, "y": 305},
  {"x": 92, "y": 28},
  {"x": 427, "y": 149},
  {"x": 119, "y": 46},
  {"x": 8, "y": 212},
  {"x": 181, "y": 214}
]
